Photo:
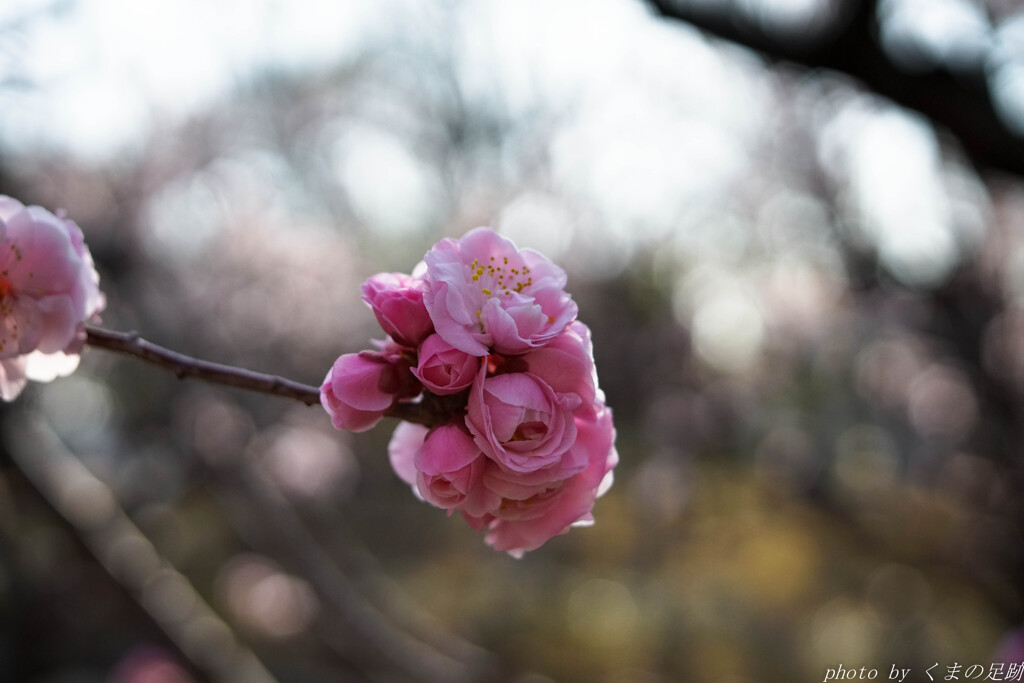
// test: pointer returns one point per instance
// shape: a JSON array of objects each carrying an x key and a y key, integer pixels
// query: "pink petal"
[
  {"x": 344, "y": 416},
  {"x": 60, "y": 323},
  {"x": 41, "y": 259},
  {"x": 356, "y": 379},
  {"x": 12, "y": 377},
  {"x": 405, "y": 442},
  {"x": 447, "y": 448},
  {"x": 46, "y": 367}
]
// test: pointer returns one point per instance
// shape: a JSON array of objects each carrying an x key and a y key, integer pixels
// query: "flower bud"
[
  {"x": 361, "y": 387},
  {"x": 397, "y": 302},
  {"x": 444, "y": 369}
]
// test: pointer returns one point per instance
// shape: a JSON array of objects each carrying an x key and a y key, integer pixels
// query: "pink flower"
[
  {"x": 397, "y": 302},
  {"x": 522, "y": 416},
  {"x": 444, "y": 369},
  {"x": 524, "y": 453},
  {"x": 48, "y": 290},
  {"x": 529, "y": 516},
  {"x": 484, "y": 294},
  {"x": 361, "y": 387},
  {"x": 443, "y": 465},
  {"x": 520, "y": 422}
]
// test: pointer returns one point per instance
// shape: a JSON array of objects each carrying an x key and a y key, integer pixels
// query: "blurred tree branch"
[
  {"x": 382, "y": 640},
  {"x": 849, "y": 44},
  {"x": 91, "y": 508}
]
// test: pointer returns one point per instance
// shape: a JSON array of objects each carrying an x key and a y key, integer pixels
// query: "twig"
[
  {"x": 185, "y": 366},
  {"x": 431, "y": 411}
]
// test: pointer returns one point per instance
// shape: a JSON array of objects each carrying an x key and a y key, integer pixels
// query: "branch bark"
[
  {"x": 182, "y": 366},
  {"x": 430, "y": 411},
  {"x": 93, "y": 512}
]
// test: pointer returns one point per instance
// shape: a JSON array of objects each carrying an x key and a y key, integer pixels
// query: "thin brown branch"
[
  {"x": 132, "y": 344},
  {"x": 431, "y": 411}
]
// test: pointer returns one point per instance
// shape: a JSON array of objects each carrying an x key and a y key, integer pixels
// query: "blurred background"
[{"x": 796, "y": 228}]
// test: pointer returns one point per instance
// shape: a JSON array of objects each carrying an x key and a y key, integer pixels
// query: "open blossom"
[
  {"x": 526, "y": 518},
  {"x": 521, "y": 412},
  {"x": 49, "y": 288},
  {"x": 484, "y": 294},
  {"x": 520, "y": 513},
  {"x": 520, "y": 422},
  {"x": 513, "y": 429}
]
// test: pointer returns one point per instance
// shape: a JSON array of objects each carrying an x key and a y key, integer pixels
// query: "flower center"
[
  {"x": 500, "y": 278},
  {"x": 530, "y": 431}
]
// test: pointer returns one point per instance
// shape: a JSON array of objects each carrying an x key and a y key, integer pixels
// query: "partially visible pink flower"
[
  {"x": 444, "y": 369},
  {"x": 529, "y": 516},
  {"x": 149, "y": 664},
  {"x": 397, "y": 302},
  {"x": 361, "y": 387},
  {"x": 1011, "y": 647},
  {"x": 484, "y": 294},
  {"x": 49, "y": 288}
]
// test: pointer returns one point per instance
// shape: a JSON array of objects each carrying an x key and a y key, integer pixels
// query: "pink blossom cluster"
[
  {"x": 483, "y": 337},
  {"x": 48, "y": 290}
]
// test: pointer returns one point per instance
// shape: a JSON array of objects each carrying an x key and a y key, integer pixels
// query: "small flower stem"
[
  {"x": 425, "y": 412},
  {"x": 430, "y": 409}
]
